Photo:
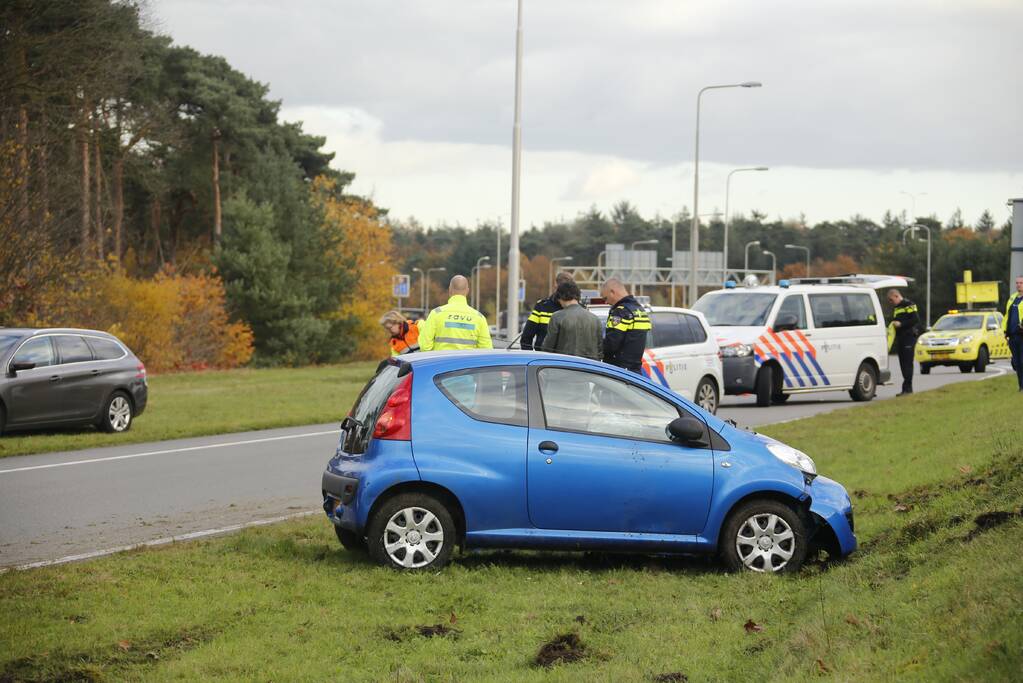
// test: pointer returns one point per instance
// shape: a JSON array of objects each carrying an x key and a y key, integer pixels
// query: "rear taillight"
[
  {"x": 140, "y": 370},
  {"x": 395, "y": 421}
]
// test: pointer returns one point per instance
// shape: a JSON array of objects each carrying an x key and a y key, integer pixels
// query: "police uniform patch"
[{"x": 613, "y": 320}]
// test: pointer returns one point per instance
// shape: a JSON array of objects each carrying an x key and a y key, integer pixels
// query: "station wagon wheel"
[
  {"x": 764, "y": 536},
  {"x": 411, "y": 532},
  {"x": 117, "y": 413},
  {"x": 707, "y": 396}
]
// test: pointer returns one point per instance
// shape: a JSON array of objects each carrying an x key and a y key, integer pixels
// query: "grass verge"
[
  {"x": 933, "y": 593},
  {"x": 217, "y": 402}
]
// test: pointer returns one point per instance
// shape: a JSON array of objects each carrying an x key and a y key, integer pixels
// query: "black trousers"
[
  {"x": 904, "y": 347},
  {"x": 1016, "y": 347}
]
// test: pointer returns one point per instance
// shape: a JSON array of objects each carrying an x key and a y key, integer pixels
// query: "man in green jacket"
[
  {"x": 573, "y": 329},
  {"x": 455, "y": 326}
]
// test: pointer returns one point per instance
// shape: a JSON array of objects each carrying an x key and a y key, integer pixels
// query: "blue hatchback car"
[{"x": 514, "y": 449}]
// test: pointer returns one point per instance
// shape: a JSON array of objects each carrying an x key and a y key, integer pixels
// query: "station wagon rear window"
[{"x": 488, "y": 394}]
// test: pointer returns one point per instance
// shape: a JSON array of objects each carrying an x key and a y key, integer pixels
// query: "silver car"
[{"x": 67, "y": 377}]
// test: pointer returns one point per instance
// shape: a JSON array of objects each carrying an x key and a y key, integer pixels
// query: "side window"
[
  {"x": 859, "y": 309},
  {"x": 793, "y": 305},
  {"x": 38, "y": 351},
  {"x": 105, "y": 349},
  {"x": 827, "y": 310},
  {"x": 73, "y": 349},
  {"x": 697, "y": 332},
  {"x": 669, "y": 329},
  {"x": 488, "y": 394},
  {"x": 578, "y": 401}
]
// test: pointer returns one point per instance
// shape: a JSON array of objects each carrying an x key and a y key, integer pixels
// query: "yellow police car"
[{"x": 967, "y": 339}]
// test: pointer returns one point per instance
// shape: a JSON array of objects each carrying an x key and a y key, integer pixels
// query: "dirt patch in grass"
[
  {"x": 426, "y": 631},
  {"x": 564, "y": 648},
  {"x": 990, "y": 520},
  {"x": 100, "y": 665},
  {"x": 673, "y": 677}
]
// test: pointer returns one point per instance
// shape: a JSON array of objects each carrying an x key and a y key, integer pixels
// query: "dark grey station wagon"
[{"x": 67, "y": 377}]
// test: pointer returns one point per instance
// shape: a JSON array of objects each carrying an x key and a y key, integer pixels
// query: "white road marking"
[
  {"x": 169, "y": 450},
  {"x": 191, "y": 536}
]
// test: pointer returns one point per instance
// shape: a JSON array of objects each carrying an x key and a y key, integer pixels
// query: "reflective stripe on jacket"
[
  {"x": 536, "y": 324},
  {"x": 1008, "y": 310},
  {"x": 455, "y": 326},
  {"x": 906, "y": 315},
  {"x": 407, "y": 341}
]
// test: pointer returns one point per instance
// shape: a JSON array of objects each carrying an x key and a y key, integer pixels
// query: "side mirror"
[
  {"x": 687, "y": 430},
  {"x": 785, "y": 321},
  {"x": 18, "y": 366}
]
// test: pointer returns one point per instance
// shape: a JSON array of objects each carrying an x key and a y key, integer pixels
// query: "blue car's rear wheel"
[
  {"x": 764, "y": 536},
  {"x": 411, "y": 531}
]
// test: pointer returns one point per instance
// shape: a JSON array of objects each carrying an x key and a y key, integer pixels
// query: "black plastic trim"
[{"x": 342, "y": 488}]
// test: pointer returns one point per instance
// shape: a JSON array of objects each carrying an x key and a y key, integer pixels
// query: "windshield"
[
  {"x": 959, "y": 322},
  {"x": 736, "y": 308},
  {"x": 7, "y": 340}
]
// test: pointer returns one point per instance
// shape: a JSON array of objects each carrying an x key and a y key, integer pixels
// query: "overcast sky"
[{"x": 862, "y": 100}]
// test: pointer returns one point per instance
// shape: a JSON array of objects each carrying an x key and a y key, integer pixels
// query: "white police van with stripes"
[
  {"x": 681, "y": 353},
  {"x": 807, "y": 335}
]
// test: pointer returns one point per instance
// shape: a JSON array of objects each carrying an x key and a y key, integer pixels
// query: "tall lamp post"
[
  {"x": 774, "y": 265},
  {"x": 422, "y": 289},
  {"x": 513, "y": 247},
  {"x": 476, "y": 280},
  {"x": 912, "y": 229},
  {"x": 728, "y": 217},
  {"x": 912, "y": 202},
  {"x": 428, "y": 271},
  {"x": 807, "y": 250},
  {"x": 745, "y": 264},
  {"x": 550, "y": 270},
  {"x": 694, "y": 233}
]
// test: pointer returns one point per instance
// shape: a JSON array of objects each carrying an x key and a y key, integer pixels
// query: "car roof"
[
  {"x": 29, "y": 331},
  {"x": 795, "y": 289}
]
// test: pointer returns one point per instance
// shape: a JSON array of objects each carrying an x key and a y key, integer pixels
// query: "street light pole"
[
  {"x": 807, "y": 250},
  {"x": 550, "y": 270},
  {"x": 745, "y": 267},
  {"x": 774, "y": 265},
  {"x": 912, "y": 202},
  {"x": 694, "y": 233},
  {"x": 422, "y": 288},
  {"x": 476, "y": 280},
  {"x": 428, "y": 271},
  {"x": 728, "y": 217},
  {"x": 513, "y": 247},
  {"x": 912, "y": 229}
]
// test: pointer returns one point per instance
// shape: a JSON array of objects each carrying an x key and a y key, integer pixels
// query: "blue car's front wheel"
[{"x": 765, "y": 536}]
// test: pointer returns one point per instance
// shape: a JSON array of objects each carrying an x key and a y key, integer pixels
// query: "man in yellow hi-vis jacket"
[{"x": 455, "y": 326}]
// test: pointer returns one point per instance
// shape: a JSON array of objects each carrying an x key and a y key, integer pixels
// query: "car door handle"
[
  {"x": 93, "y": 372},
  {"x": 548, "y": 447},
  {"x": 54, "y": 378}
]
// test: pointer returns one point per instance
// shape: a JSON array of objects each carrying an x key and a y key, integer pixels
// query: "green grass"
[
  {"x": 218, "y": 402},
  {"x": 929, "y": 596}
]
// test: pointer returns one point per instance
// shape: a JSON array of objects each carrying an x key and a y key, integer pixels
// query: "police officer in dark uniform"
[
  {"x": 627, "y": 327},
  {"x": 535, "y": 329},
  {"x": 906, "y": 321}
]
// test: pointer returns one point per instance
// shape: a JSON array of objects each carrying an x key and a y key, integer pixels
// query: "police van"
[
  {"x": 681, "y": 352},
  {"x": 804, "y": 335}
]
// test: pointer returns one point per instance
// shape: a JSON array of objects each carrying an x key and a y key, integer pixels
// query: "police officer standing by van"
[
  {"x": 535, "y": 329},
  {"x": 1012, "y": 325},
  {"x": 455, "y": 326},
  {"x": 906, "y": 321},
  {"x": 627, "y": 327}
]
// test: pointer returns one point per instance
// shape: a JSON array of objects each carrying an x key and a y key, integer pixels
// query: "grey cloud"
[{"x": 858, "y": 83}]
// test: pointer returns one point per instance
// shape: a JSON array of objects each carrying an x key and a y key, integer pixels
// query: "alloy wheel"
[
  {"x": 707, "y": 397},
  {"x": 119, "y": 414},
  {"x": 765, "y": 543},
  {"x": 413, "y": 537}
]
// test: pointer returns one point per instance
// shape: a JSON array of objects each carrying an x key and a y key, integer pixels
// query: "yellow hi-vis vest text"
[{"x": 455, "y": 326}]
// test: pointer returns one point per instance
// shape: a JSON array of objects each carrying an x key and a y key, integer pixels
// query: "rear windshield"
[
  {"x": 736, "y": 309},
  {"x": 367, "y": 409},
  {"x": 959, "y": 322}
]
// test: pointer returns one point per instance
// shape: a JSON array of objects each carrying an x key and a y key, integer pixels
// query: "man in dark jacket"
[
  {"x": 535, "y": 328},
  {"x": 573, "y": 329},
  {"x": 627, "y": 327},
  {"x": 906, "y": 321}
]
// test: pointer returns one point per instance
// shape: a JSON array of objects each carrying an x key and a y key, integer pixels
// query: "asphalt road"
[{"x": 71, "y": 505}]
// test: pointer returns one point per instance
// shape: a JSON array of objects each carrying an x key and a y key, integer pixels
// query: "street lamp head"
[
  {"x": 762, "y": 168},
  {"x": 751, "y": 84},
  {"x": 793, "y": 246},
  {"x": 754, "y": 243}
]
